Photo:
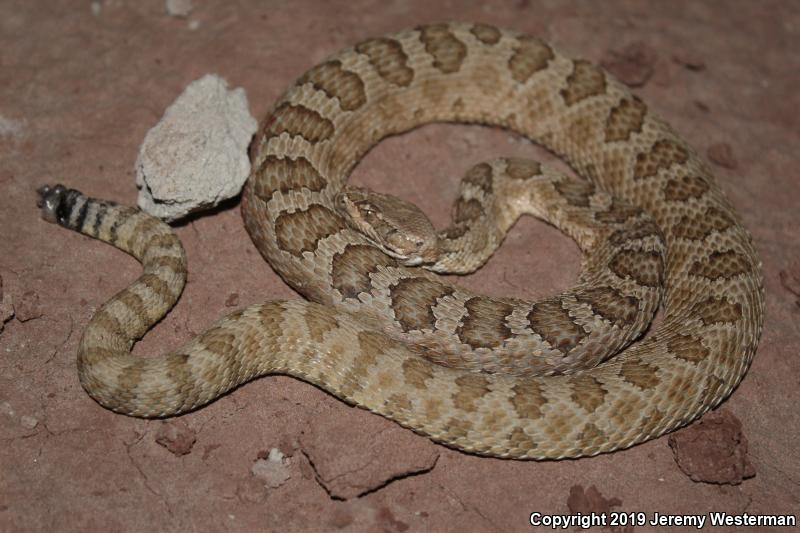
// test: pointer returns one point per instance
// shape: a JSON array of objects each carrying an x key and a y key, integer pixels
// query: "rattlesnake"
[{"x": 492, "y": 376}]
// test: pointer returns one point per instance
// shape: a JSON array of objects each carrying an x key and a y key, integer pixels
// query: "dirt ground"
[{"x": 80, "y": 85}]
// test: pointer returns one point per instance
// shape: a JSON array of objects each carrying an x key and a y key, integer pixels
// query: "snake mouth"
[
  {"x": 414, "y": 261},
  {"x": 395, "y": 252},
  {"x": 406, "y": 259}
]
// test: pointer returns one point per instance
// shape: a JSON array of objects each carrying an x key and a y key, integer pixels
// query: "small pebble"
[
  {"x": 633, "y": 65},
  {"x": 273, "y": 470},
  {"x": 27, "y": 306},
  {"x": 176, "y": 436},
  {"x": 179, "y": 8},
  {"x": 28, "y": 422},
  {"x": 6, "y": 409},
  {"x": 713, "y": 450},
  {"x": 722, "y": 154}
]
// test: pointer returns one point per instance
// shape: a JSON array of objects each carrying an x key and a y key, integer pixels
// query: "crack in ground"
[
  {"x": 145, "y": 479},
  {"x": 370, "y": 490},
  {"x": 64, "y": 343},
  {"x": 318, "y": 478},
  {"x": 364, "y": 466},
  {"x": 398, "y": 477}
]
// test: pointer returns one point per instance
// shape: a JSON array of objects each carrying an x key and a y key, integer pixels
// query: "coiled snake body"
[{"x": 493, "y": 376}]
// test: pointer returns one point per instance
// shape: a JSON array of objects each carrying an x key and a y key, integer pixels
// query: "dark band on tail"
[{"x": 71, "y": 209}]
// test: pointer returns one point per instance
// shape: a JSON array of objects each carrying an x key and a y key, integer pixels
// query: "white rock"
[
  {"x": 276, "y": 456},
  {"x": 273, "y": 470},
  {"x": 196, "y": 156},
  {"x": 6, "y": 409},
  {"x": 28, "y": 421},
  {"x": 179, "y": 8},
  {"x": 10, "y": 127}
]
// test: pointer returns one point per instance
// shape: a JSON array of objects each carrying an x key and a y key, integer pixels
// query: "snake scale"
[{"x": 491, "y": 376}]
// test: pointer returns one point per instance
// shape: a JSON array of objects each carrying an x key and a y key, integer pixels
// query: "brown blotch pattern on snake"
[
  {"x": 334, "y": 81},
  {"x": 717, "y": 311},
  {"x": 471, "y": 387},
  {"x": 351, "y": 268},
  {"x": 640, "y": 232},
  {"x": 683, "y": 188},
  {"x": 644, "y": 267},
  {"x": 369, "y": 351},
  {"x": 585, "y": 81},
  {"x": 522, "y": 169},
  {"x": 480, "y": 176},
  {"x": 554, "y": 324},
  {"x": 530, "y": 56},
  {"x": 587, "y": 392},
  {"x": 447, "y": 51},
  {"x": 662, "y": 155},
  {"x": 416, "y": 372},
  {"x": 388, "y": 59},
  {"x": 398, "y": 403},
  {"x": 519, "y": 440},
  {"x": 591, "y": 436},
  {"x": 299, "y": 120},
  {"x": 721, "y": 265},
  {"x": 484, "y": 324},
  {"x": 688, "y": 347},
  {"x": 457, "y": 428},
  {"x": 528, "y": 400},
  {"x": 319, "y": 324},
  {"x": 466, "y": 210},
  {"x": 610, "y": 304},
  {"x": 637, "y": 372},
  {"x": 698, "y": 226},
  {"x": 413, "y": 300},
  {"x": 284, "y": 175},
  {"x": 625, "y": 119},
  {"x": 575, "y": 192},
  {"x": 301, "y": 231},
  {"x": 486, "y": 34}
]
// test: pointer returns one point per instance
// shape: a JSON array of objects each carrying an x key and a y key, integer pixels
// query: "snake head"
[{"x": 397, "y": 227}]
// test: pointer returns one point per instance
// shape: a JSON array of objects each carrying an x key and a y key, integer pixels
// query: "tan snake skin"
[{"x": 512, "y": 382}]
